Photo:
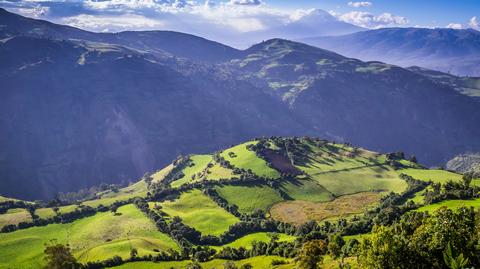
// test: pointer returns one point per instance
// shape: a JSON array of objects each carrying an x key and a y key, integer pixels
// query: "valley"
[{"x": 189, "y": 206}]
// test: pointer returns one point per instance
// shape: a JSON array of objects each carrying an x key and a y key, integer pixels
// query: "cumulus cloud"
[
  {"x": 360, "y": 4},
  {"x": 474, "y": 24},
  {"x": 112, "y": 23},
  {"x": 245, "y": 2},
  {"x": 454, "y": 25},
  {"x": 368, "y": 20}
]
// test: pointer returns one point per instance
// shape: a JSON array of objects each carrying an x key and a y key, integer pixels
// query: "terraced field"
[
  {"x": 93, "y": 238},
  {"x": 200, "y": 212}
]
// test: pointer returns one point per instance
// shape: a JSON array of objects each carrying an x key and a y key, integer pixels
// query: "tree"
[
  {"x": 467, "y": 179},
  {"x": 335, "y": 245},
  {"x": 310, "y": 256},
  {"x": 114, "y": 208},
  {"x": 246, "y": 266},
  {"x": 133, "y": 253},
  {"x": 452, "y": 261},
  {"x": 58, "y": 256},
  {"x": 229, "y": 265}
]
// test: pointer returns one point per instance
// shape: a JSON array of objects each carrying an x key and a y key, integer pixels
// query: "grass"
[
  {"x": 160, "y": 175},
  {"x": 452, "y": 204},
  {"x": 45, "y": 213},
  {"x": 199, "y": 211},
  {"x": 14, "y": 216},
  {"x": 97, "y": 237},
  {"x": 299, "y": 212},
  {"x": 306, "y": 190},
  {"x": 247, "y": 159},
  {"x": 259, "y": 262},
  {"x": 199, "y": 164},
  {"x": 138, "y": 189},
  {"x": 250, "y": 198},
  {"x": 376, "y": 178},
  {"x": 437, "y": 176},
  {"x": 217, "y": 172},
  {"x": 247, "y": 240}
]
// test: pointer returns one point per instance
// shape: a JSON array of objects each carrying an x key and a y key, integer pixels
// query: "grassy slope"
[
  {"x": 199, "y": 211},
  {"x": 160, "y": 174},
  {"x": 250, "y": 198},
  {"x": 87, "y": 237},
  {"x": 199, "y": 163},
  {"x": 451, "y": 204},
  {"x": 247, "y": 159},
  {"x": 247, "y": 240},
  {"x": 15, "y": 216},
  {"x": 217, "y": 172},
  {"x": 138, "y": 189},
  {"x": 260, "y": 262},
  {"x": 306, "y": 190},
  {"x": 435, "y": 175},
  {"x": 343, "y": 170},
  {"x": 299, "y": 212}
]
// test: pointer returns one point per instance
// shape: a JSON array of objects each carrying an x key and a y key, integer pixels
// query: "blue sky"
[
  {"x": 432, "y": 13},
  {"x": 227, "y": 20}
]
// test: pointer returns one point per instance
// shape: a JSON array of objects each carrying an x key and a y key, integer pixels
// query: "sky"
[{"x": 232, "y": 20}]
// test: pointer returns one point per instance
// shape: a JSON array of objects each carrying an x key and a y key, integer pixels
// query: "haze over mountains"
[
  {"x": 79, "y": 108},
  {"x": 456, "y": 51}
]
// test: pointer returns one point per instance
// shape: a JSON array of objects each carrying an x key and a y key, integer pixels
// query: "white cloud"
[
  {"x": 474, "y": 24},
  {"x": 246, "y": 2},
  {"x": 360, "y": 4},
  {"x": 113, "y": 23},
  {"x": 33, "y": 12},
  {"x": 454, "y": 25},
  {"x": 368, "y": 20}
]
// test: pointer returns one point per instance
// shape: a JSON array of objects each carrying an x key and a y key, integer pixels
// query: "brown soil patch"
[
  {"x": 299, "y": 212},
  {"x": 280, "y": 162}
]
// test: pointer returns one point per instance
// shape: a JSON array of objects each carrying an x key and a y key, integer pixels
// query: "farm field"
[
  {"x": 92, "y": 238},
  {"x": 246, "y": 159},
  {"x": 438, "y": 176},
  {"x": 452, "y": 204},
  {"x": 375, "y": 178},
  {"x": 299, "y": 212},
  {"x": 199, "y": 211},
  {"x": 160, "y": 174},
  {"x": 14, "y": 216},
  {"x": 199, "y": 163},
  {"x": 250, "y": 198},
  {"x": 306, "y": 190},
  {"x": 217, "y": 172},
  {"x": 247, "y": 240},
  {"x": 260, "y": 262}
]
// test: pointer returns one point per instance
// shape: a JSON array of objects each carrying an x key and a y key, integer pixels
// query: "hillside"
[
  {"x": 82, "y": 108},
  {"x": 227, "y": 199},
  {"x": 447, "y": 50}
]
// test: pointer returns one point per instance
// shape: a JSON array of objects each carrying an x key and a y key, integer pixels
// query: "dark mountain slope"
[
  {"x": 447, "y": 50},
  {"x": 372, "y": 104},
  {"x": 75, "y": 114},
  {"x": 178, "y": 44}
]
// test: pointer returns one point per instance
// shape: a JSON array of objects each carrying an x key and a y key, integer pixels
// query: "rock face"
[
  {"x": 446, "y": 50},
  {"x": 75, "y": 112},
  {"x": 465, "y": 163}
]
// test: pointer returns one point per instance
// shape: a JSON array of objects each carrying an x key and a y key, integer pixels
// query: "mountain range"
[
  {"x": 79, "y": 108},
  {"x": 456, "y": 51}
]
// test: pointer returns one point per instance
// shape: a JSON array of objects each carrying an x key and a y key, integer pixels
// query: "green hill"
[{"x": 265, "y": 192}]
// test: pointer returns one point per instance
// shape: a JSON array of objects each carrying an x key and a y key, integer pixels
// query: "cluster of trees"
[
  {"x": 445, "y": 239},
  {"x": 452, "y": 190}
]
